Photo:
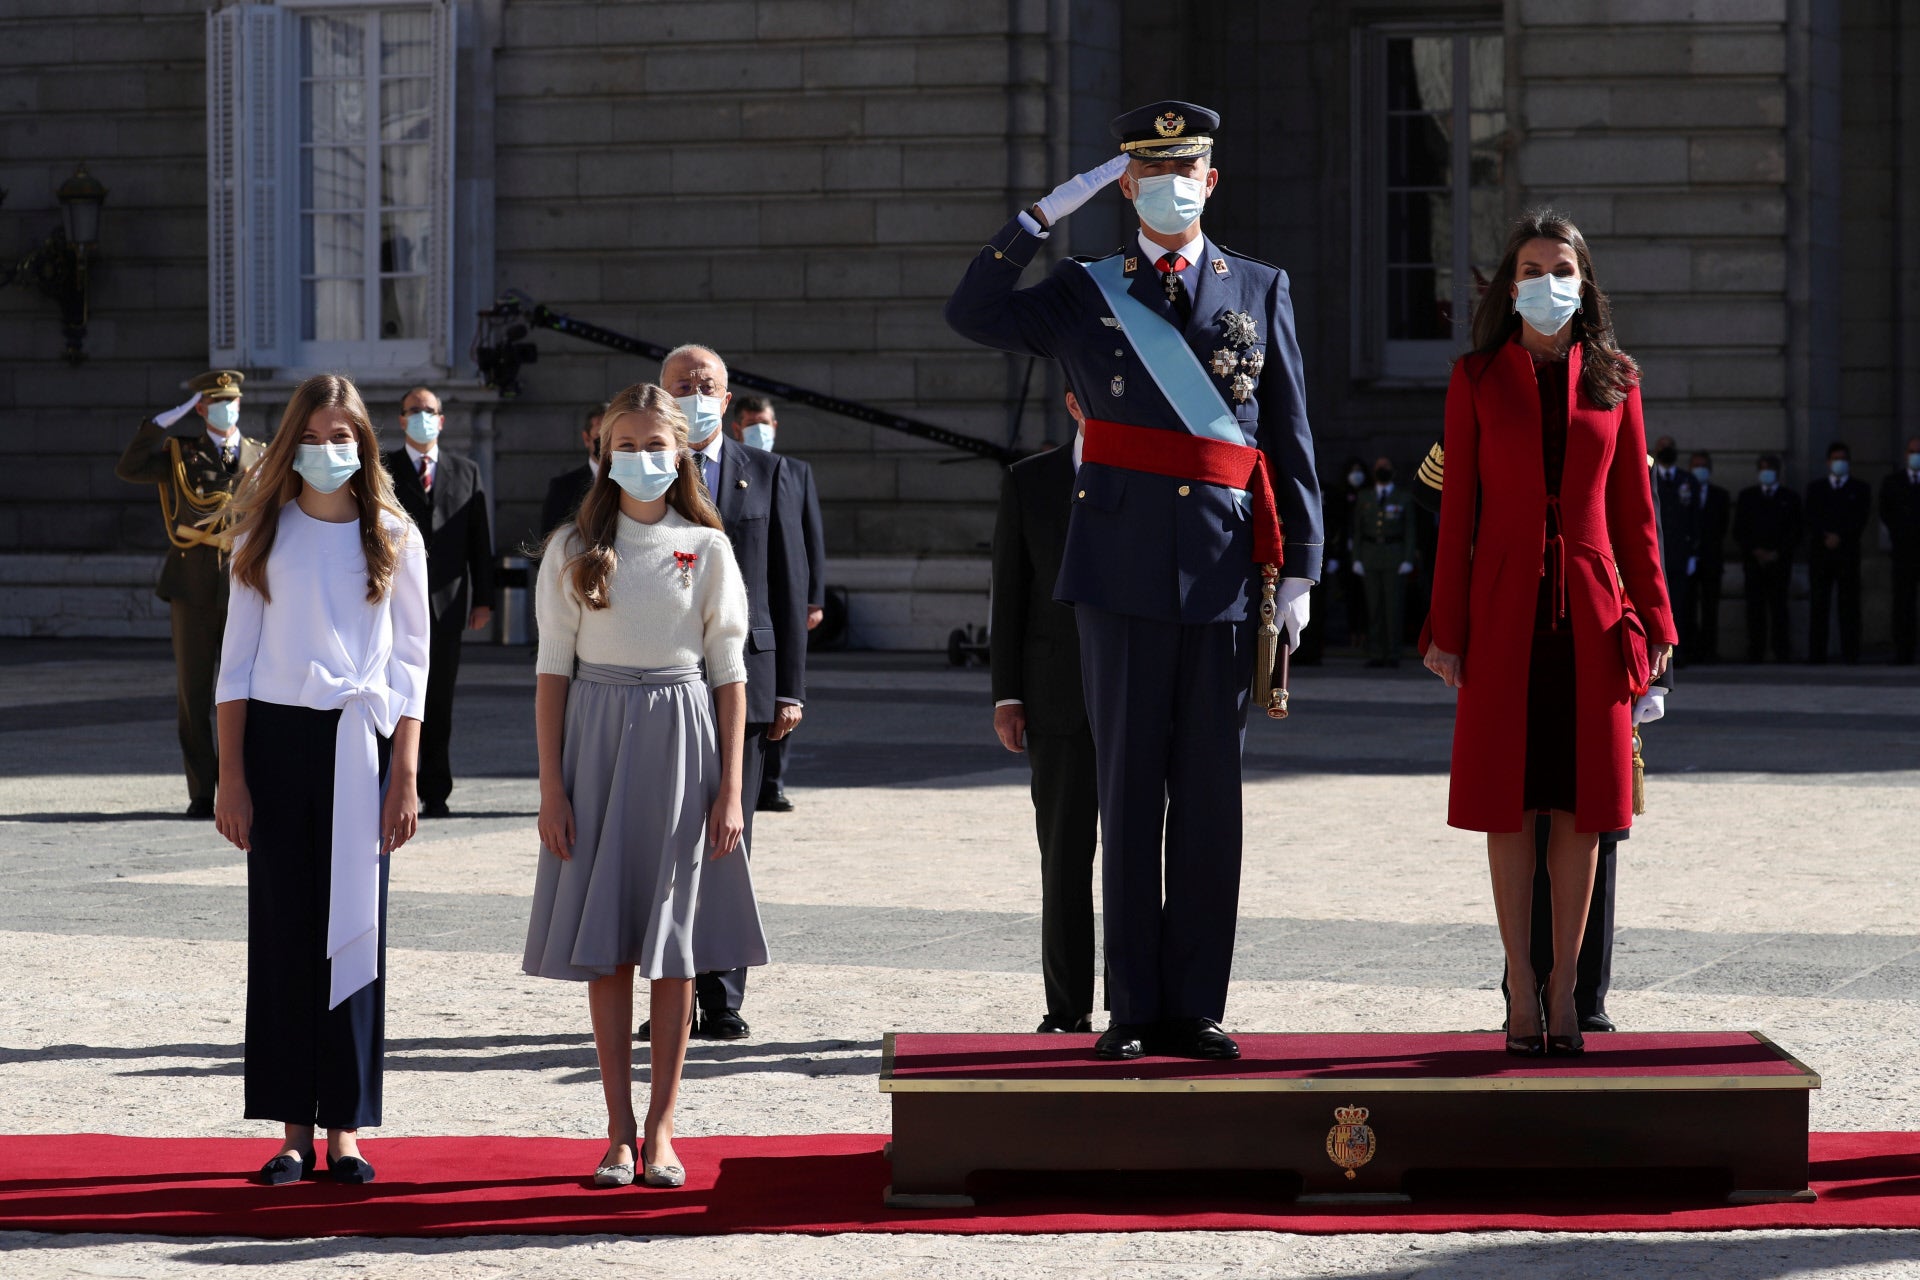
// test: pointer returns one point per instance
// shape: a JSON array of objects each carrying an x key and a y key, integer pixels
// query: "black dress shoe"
[
  {"x": 1193, "y": 1038},
  {"x": 773, "y": 799},
  {"x": 350, "y": 1171},
  {"x": 1050, "y": 1023},
  {"x": 200, "y": 810},
  {"x": 1121, "y": 1040},
  {"x": 1596, "y": 1021},
  {"x": 435, "y": 809},
  {"x": 721, "y": 1024},
  {"x": 281, "y": 1170}
]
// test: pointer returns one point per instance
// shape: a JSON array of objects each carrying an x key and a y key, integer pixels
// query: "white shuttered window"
[{"x": 330, "y": 182}]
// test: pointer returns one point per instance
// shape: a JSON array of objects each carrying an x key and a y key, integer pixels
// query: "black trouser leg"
[
  {"x": 1820, "y": 585},
  {"x": 1846, "y": 576},
  {"x": 1383, "y": 587},
  {"x": 1906, "y": 589},
  {"x": 436, "y": 729},
  {"x": 1066, "y": 807},
  {"x": 305, "y": 1063},
  {"x": 1706, "y": 613},
  {"x": 776, "y": 771},
  {"x": 717, "y": 991},
  {"x": 1754, "y": 586},
  {"x": 1779, "y": 584},
  {"x": 197, "y": 631}
]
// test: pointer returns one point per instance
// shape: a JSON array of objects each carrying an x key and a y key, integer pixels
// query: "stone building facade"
[{"x": 799, "y": 183}]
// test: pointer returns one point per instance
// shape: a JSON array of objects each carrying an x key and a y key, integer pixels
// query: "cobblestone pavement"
[{"x": 1772, "y": 885}]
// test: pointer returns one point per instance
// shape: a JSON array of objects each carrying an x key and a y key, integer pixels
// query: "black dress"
[{"x": 1550, "y": 678}]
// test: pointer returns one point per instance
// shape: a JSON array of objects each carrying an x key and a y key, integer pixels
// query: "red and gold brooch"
[{"x": 685, "y": 559}]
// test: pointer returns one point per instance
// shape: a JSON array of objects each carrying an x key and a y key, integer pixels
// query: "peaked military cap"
[
  {"x": 218, "y": 384},
  {"x": 1167, "y": 130}
]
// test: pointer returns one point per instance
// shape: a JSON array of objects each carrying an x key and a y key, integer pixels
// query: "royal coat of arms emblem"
[{"x": 1350, "y": 1143}]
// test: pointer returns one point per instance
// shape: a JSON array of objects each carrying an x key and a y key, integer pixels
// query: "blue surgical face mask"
[
  {"x": 645, "y": 475},
  {"x": 1169, "y": 202},
  {"x": 325, "y": 467},
  {"x": 223, "y": 415},
  {"x": 1703, "y": 474},
  {"x": 703, "y": 416},
  {"x": 757, "y": 435},
  {"x": 1839, "y": 467},
  {"x": 423, "y": 427},
  {"x": 1546, "y": 303},
  {"x": 1913, "y": 462},
  {"x": 1769, "y": 476},
  {"x": 1356, "y": 478}
]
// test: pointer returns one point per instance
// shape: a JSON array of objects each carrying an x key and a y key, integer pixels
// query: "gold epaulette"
[{"x": 1433, "y": 468}]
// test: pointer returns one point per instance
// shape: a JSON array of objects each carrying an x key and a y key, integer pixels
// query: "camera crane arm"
[{"x": 500, "y": 348}]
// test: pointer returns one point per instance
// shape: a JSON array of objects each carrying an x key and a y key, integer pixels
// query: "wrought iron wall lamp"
[{"x": 58, "y": 267}]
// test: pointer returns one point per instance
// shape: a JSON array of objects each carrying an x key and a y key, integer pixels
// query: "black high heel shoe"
[
  {"x": 285, "y": 1169},
  {"x": 1564, "y": 1046},
  {"x": 1533, "y": 1046}
]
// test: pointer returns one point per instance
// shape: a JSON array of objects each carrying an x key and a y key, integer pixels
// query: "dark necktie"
[
  {"x": 426, "y": 474},
  {"x": 710, "y": 472},
  {"x": 1171, "y": 265}
]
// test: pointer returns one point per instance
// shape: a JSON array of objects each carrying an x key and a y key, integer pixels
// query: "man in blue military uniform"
[{"x": 1197, "y": 471}]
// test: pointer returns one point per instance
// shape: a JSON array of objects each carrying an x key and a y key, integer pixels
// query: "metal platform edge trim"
[{"x": 1807, "y": 1079}]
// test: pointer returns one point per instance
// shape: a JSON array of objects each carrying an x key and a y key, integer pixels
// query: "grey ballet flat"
[
  {"x": 666, "y": 1175},
  {"x": 613, "y": 1175}
]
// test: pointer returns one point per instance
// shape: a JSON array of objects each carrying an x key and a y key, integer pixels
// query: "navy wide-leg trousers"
[
  {"x": 1167, "y": 702},
  {"x": 305, "y": 1063}
]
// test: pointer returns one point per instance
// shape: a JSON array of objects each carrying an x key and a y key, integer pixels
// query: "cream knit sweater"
[{"x": 651, "y": 620}]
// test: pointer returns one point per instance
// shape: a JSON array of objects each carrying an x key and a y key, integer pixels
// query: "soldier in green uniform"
[
  {"x": 1383, "y": 551},
  {"x": 195, "y": 455}
]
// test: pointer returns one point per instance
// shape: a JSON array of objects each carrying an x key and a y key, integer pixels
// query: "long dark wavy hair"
[
  {"x": 273, "y": 483},
  {"x": 1607, "y": 373},
  {"x": 590, "y": 557}
]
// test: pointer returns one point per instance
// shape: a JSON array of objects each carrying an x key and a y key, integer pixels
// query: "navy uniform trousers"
[
  {"x": 305, "y": 1063},
  {"x": 1168, "y": 758}
]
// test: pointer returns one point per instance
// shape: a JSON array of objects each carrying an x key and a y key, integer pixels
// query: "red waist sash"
[{"x": 1187, "y": 457}]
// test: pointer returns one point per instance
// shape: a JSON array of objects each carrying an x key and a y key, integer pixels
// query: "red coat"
[{"x": 1486, "y": 581}]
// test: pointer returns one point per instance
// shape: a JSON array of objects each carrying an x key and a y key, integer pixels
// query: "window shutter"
[
  {"x": 245, "y": 120},
  {"x": 440, "y": 267},
  {"x": 223, "y": 240}
]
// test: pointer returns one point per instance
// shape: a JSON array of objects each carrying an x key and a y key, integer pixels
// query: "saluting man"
[
  {"x": 196, "y": 455},
  {"x": 1197, "y": 469}
]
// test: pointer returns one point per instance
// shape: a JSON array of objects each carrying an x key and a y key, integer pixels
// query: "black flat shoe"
[
  {"x": 284, "y": 1169},
  {"x": 1194, "y": 1038},
  {"x": 1121, "y": 1041},
  {"x": 199, "y": 810},
  {"x": 435, "y": 809},
  {"x": 1050, "y": 1024},
  {"x": 352, "y": 1171},
  {"x": 773, "y": 799},
  {"x": 722, "y": 1024},
  {"x": 1533, "y": 1046}
]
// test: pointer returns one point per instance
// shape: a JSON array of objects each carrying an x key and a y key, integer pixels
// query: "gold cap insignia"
[{"x": 1170, "y": 125}]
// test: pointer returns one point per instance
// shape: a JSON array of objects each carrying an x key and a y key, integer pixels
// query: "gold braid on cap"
[
  {"x": 1160, "y": 144},
  {"x": 1433, "y": 468}
]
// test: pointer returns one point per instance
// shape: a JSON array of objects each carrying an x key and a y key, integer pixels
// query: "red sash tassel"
[{"x": 1188, "y": 457}]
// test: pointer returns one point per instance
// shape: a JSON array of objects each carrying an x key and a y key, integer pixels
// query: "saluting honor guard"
[
  {"x": 195, "y": 454},
  {"x": 1196, "y": 490}
]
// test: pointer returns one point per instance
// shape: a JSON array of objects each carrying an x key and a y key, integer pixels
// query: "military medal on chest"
[{"x": 1242, "y": 359}]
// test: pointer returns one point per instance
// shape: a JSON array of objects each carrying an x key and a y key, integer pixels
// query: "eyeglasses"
[{"x": 707, "y": 386}]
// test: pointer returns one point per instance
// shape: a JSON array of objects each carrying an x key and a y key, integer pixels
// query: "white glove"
[
  {"x": 1693, "y": 565},
  {"x": 1406, "y": 567},
  {"x": 1293, "y": 602},
  {"x": 1651, "y": 706},
  {"x": 1333, "y": 567},
  {"x": 1074, "y": 192},
  {"x": 1359, "y": 570},
  {"x": 179, "y": 411}
]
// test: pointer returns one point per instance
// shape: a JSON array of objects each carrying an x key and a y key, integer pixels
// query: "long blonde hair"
[
  {"x": 591, "y": 561},
  {"x": 274, "y": 483}
]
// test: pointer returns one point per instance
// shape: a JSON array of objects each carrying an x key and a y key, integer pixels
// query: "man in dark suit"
[
  {"x": 1900, "y": 515},
  {"x": 196, "y": 457},
  {"x": 1038, "y": 708},
  {"x": 1677, "y": 496},
  {"x": 1709, "y": 560},
  {"x": 752, "y": 422},
  {"x": 1837, "y": 510},
  {"x": 566, "y": 491},
  {"x": 1766, "y": 528},
  {"x": 1197, "y": 472},
  {"x": 441, "y": 491},
  {"x": 760, "y": 505}
]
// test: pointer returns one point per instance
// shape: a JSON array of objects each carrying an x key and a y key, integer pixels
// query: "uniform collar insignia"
[
  {"x": 1220, "y": 266},
  {"x": 1130, "y": 266}
]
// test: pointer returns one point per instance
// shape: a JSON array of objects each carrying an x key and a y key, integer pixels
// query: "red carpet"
[{"x": 814, "y": 1185}]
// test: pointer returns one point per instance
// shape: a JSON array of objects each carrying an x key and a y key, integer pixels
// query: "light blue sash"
[{"x": 1182, "y": 379}]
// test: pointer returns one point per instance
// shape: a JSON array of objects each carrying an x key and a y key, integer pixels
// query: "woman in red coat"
[{"x": 1548, "y": 551}]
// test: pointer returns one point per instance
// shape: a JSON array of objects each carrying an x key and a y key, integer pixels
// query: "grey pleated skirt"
[{"x": 641, "y": 766}]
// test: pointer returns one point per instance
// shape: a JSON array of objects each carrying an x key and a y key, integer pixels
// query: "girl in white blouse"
[
  {"x": 636, "y": 596},
  {"x": 323, "y": 676}
]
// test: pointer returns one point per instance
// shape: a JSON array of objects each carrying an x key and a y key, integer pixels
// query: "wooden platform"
[{"x": 1351, "y": 1115}]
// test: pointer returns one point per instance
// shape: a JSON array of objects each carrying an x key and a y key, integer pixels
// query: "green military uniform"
[
  {"x": 1383, "y": 540},
  {"x": 195, "y": 479}
]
